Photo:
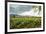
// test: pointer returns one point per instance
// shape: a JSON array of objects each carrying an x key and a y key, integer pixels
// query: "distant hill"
[
  {"x": 21, "y": 16},
  {"x": 14, "y": 15}
]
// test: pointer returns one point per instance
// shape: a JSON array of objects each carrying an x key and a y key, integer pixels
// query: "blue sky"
[{"x": 17, "y": 9}]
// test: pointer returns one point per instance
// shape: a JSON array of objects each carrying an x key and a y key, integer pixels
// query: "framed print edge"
[{"x": 6, "y": 16}]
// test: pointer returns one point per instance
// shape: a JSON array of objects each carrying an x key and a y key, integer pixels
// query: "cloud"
[
  {"x": 30, "y": 13},
  {"x": 17, "y": 9}
]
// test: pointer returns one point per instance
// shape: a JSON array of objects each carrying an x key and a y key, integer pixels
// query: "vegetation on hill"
[{"x": 25, "y": 22}]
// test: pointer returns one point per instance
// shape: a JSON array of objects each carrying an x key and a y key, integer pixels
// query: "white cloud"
[{"x": 30, "y": 13}]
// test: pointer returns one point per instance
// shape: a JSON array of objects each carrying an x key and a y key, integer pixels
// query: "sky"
[
  {"x": 23, "y": 10},
  {"x": 17, "y": 9}
]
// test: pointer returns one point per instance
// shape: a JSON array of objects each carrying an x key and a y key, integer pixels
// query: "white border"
[{"x": 16, "y": 30}]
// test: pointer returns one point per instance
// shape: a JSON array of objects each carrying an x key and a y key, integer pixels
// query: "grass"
[{"x": 25, "y": 22}]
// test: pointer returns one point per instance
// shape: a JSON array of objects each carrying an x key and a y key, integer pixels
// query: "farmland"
[{"x": 25, "y": 22}]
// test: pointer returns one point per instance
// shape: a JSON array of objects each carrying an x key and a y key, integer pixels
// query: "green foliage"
[{"x": 25, "y": 22}]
